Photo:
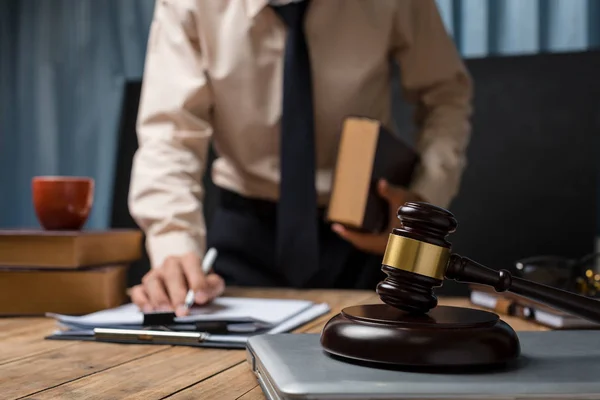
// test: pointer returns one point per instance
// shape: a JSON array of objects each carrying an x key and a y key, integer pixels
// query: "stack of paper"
[{"x": 243, "y": 318}]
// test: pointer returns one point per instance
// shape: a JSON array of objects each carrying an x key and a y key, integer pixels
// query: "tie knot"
[{"x": 292, "y": 13}]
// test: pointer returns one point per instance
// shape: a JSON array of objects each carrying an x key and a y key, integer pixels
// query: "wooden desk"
[{"x": 34, "y": 368}]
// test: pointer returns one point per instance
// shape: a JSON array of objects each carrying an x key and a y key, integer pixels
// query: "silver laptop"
[{"x": 554, "y": 365}]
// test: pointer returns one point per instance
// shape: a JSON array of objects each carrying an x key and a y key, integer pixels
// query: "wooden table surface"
[{"x": 34, "y": 368}]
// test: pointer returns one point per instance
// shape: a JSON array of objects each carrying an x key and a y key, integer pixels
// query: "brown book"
[
  {"x": 75, "y": 292},
  {"x": 367, "y": 153},
  {"x": 69, "y": 249}
]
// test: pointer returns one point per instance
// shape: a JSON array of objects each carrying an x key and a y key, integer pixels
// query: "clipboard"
[
  {"x": 210, "y": 335},
  {"x": 156, "y": 337}
]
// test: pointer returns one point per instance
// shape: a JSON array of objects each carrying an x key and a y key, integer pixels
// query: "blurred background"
[{"x": 69, "y": 83}]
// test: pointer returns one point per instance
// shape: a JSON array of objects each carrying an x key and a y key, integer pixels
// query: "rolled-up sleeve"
[
  {"x": 173, "y": 130},
  {"x": 435, "y": 79}
]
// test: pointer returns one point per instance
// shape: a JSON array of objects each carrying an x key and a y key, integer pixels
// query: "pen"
[
  {"x": 207, "y": 264},
  {"x": 136, "y": 336},
  {"x": 163, "y": 337}
]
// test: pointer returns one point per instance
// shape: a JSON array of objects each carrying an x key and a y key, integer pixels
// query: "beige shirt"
[{"x": 214, "y": 72}]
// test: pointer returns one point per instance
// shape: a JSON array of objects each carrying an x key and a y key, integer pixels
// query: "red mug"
[{"x": 62, "y": 202}]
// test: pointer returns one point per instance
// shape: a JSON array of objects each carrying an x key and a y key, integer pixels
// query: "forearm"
[
  {"x": 165, "y": 198},
  {"x": 443, "y": 138},
  {"x": 435, "y": 80},
  {"x": 174, "y": 131}
]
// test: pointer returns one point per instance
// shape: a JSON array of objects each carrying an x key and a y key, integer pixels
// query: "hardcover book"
[
  {"x": 69, "y": 249},
  {"x": 367, "y": 152},
  {"x": 35, "y": 291}
]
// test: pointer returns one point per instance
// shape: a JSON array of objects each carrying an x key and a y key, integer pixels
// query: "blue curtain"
[
  {"x": 507, "y": 27},
  {"x": 62, "y": 68},
  {"x": 63, "y": 64}
]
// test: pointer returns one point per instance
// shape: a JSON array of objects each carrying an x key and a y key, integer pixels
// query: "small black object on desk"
[
  {"x": 410, "y": 330},
  {"x": 167, "y": 318}
]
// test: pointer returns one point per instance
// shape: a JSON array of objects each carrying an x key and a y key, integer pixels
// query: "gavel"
[
  {"x": 409, "y": 330},
  {"x": 418, "y": 258}
]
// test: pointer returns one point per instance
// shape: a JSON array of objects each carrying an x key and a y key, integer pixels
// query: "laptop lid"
[{"x": 553, "y": 365}]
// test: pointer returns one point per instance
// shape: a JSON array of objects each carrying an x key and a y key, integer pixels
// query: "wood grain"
[
  {"x": 10, "y": 325},
  {"x": 230, "y": 384},
  {"x": 25, "y": 339},
  {"x": 254, "y": 394},
  {"x": 170, "y": 371},
  {"x": 30, "y": 375},
  {"x": 41, "y": 369},
  {"x": 240, "y": 379},
  {"x": 152, "y": 377},
  {"x": 28, "y": 345}
]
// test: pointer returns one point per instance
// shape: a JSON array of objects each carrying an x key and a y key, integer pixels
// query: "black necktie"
[{"x": 297, "y": 235}]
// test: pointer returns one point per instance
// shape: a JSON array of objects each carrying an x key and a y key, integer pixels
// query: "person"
[{"x": 269, "y": 83}]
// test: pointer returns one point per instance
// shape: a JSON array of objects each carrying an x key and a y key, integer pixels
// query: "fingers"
[
  {"x": 174, "y": 281},
  {"x": 140, "y": 298},
  {"x": 205, "y": 287},
  {"x": 213, "y": 287},
  {"x": 383, "y": 187},
  {"x": 165, "y": 288},
  {"x": 155, "y": 289},
  {"x": 192, "y": 270},
  {"x": 216, "y": 285},
  {"x": 395, "y": 195},
  {"x": 372, "y": 243}
]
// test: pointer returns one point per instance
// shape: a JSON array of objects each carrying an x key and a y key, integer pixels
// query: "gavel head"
[{"x": 416, "y": 257}]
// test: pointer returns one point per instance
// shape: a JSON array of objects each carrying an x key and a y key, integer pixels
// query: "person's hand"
[
  {"x": 376, "y": 243},
  {"x": 165, "y": 288}
]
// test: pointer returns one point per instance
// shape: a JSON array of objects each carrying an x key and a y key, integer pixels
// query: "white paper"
[
  {"x": 128, "y": 314},
  {"x": 301, "y": 319},
  {"x": 288, "y": 325},
  {"x": 268, "y": 312}
]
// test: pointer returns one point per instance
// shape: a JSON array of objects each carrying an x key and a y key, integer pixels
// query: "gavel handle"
[{"x": 463, "y": 269}]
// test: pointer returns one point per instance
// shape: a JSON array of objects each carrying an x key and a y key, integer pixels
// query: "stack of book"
[
  {"x": 74, "y": 272},
  {"x": 506, "y": 303}
]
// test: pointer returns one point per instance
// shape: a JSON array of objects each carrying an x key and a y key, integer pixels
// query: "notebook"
[
  {"x": 241, "y": 317},
  {"x": 368, "y": 151}
]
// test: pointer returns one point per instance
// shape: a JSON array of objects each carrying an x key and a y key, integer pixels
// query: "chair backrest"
[
  {"x": 127, "y": 145},
  {"x": 531, "y": 184}
]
